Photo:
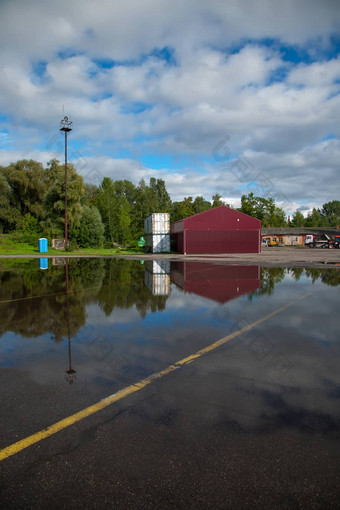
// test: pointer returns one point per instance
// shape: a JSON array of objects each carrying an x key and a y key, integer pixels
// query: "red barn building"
[{"x": 218, "y": 230}]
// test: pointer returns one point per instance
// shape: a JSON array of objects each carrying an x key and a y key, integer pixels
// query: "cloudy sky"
[{"x": 227, "y": 96}]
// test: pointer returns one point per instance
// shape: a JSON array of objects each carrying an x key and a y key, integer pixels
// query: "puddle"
[{"x": 86, "y": 329}]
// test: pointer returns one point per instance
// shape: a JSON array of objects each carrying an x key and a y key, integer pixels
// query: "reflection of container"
[
  {"x": 157, "y": 243},
  {"x": 43, "y": 263},
  {"x": 158, "y": 266},
  {"x": 43, "y": 248},
  {"x": 157, "y": 277},
  {"x": 158, "y": 284},
  {"x": 157, "y": 223}
]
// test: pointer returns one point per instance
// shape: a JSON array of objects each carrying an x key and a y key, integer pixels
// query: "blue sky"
[{"x": 154, "y": 87}]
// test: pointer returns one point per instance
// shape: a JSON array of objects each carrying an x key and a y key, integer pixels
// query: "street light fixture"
[{"x": 66, "y": 126}]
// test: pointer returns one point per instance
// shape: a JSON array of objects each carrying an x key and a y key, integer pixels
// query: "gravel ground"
[{"x": 275, "y": 256}]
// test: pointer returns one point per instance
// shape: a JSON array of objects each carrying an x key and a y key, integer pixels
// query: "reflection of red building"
[{"x": 218, "y": 282}]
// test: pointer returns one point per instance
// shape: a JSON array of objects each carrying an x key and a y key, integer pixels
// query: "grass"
[{"x": 20, "y": 244}]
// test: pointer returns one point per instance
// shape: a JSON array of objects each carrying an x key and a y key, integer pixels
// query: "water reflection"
[
  {"x": 34, "y": 302},
  {"x": 117, "y": 321},
  {"x": 157, "y": 277},
  {"x": 217, "y": 282},
  {"x": 70, "y": 372}
]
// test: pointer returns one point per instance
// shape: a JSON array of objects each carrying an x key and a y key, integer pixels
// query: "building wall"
[
  {"x": 286, "y": 239},
  {"x": 221, "y": 241},
  {"x": 294, "y": 240},
  {"x": 177, "y": 242}
]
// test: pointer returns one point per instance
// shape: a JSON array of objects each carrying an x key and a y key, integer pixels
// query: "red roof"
[{"x": 218, "y": 218}]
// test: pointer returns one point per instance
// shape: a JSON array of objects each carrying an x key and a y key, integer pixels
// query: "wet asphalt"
[
  {"x": 252, "y": 424},
  {"x": 182, "y": 442}
]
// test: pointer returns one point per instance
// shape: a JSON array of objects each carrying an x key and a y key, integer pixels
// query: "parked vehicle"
[
  {"x": 318, "y": 241},
  {"x": 335, "y": 243}
]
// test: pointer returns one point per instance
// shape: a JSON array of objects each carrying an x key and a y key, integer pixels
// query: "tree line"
[{"x": 113, "y": 213}]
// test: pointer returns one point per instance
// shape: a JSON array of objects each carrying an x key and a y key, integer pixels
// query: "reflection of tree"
[
  {"x": 328, "y": 276},
  {"x": 40, "y": 315},
  {"x": 124, "y": 287},
  {"x": 296, "y": 272},
  {"x": 270, "y": 276},
  {"x": 111, "y": 283}
]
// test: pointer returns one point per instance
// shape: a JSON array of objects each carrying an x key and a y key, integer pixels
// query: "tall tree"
[
  {"x": 314, "y": 219},
  {"x": 106, "y": 204},
  {"x": 331, "y": 212},
  {"x": 54, "y": 200},
  {"x": 10, "y": 216},
  {"x": 200, "y": 205},
  {"x": 217, "y": 200},
  {"x": 164, "y": 200},
  {"x": 28, "y": 184},
  {"x": 298, "y": 219},
  {"x": 263, "y": 209},
  {"x": 182, "y": 209}
]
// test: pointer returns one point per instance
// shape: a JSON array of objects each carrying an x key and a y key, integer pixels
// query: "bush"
[
  {"x": 29, "y": 224},
  {"x": 90, "y": 233}
]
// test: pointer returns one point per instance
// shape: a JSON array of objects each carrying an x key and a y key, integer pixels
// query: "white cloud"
[{"x": 276, "y": 112}]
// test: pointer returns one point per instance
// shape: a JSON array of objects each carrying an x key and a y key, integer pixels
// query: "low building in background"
[{"x": 293, "y": 236}]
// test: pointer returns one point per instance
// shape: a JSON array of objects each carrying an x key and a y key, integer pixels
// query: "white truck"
[{"x": 318, "y": 241}]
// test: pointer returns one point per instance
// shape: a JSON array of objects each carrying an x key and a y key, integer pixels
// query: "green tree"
[
  {"x": 90, "y": 231},
  {"x": 106, "y": 204},
  {"x": 123, "y": 220},
  {"x": 298, "y": 219},
  {"x": 27, "y": 182},
  {"x": 9, "y": 214},
  {"x": 217, "y": 200},
  {"x": 263, "y": 209},
  {"x": 54, "y": 200},
  {"x": 90, "y": 193},
  {"x": 182, "y": 209},
  {"x": 331, "y": 212},
  {"x": 314, "y": 219},
  {"x": 164, "y": 200},
  {"x": 200, "y": 205}
]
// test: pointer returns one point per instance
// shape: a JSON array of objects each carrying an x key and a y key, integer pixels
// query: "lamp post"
[{"x": 66, "y": 126}]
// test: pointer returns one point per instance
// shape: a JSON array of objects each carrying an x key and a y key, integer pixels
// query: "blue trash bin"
[
  {"x": 43, "y": 263},
  {"x": 43, "y": 248}
]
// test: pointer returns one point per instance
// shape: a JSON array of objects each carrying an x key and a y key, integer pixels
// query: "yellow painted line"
[{"x": 129, "y": 390}]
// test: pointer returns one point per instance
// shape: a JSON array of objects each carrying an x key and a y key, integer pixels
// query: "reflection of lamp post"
[
  {"x": 66, "y": 126},
  {"x": 70, "y": 373}
]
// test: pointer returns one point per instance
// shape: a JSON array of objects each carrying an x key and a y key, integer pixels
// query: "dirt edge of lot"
[{"x": 275, "y": 256}]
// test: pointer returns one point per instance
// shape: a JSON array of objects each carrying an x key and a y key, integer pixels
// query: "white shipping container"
[
  {"x": 158, "y": 284},
  {"x": 158, "y": 266},
  {"x": 157, "y": 243},
  {"x": 157, "y": 223}
]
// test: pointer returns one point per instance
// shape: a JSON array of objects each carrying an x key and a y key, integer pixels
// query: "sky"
[{"x": 225, "y": 96}]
